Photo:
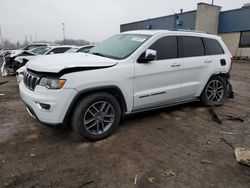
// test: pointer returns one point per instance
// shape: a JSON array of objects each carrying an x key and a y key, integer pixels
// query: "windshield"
[
  {"x": 119, "y": 46},
  {"x": 41, "y": 50}
]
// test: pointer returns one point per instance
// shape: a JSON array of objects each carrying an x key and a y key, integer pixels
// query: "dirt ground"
[{"x": 162, "y": 148}]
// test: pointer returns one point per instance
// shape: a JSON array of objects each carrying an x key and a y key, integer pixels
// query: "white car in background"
[
  {"x": 9, "y": 56},
  {"x": 47, "y": 50},
  {"x": 21, "y": 61},
  {"x": 2, "y": 52},
  {"x": 77, "y": 49},
  {"x": 42, "y": 51}
]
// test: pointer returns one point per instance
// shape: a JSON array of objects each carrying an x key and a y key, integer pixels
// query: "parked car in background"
[
  {"x": 73, "y": 49},
  {"x": 14, "y": 62},
  {"x": 1, "y": 52},
  {"x": 42, "y": 51},
  {"x": 21, "y": 61},
  {"x": 128, "y": 73},
  {"x": 27, "y": 48},
  {"x": 9, "y": 55},
  {"x": 85, "y": 49}
]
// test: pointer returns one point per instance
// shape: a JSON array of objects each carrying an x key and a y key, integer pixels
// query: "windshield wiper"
[{"x": 99, "y": 54}]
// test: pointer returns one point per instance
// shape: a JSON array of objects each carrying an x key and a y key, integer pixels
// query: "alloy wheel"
[
  {"x": 215, "y": 91},
  {"x": 99, "y": 117}
]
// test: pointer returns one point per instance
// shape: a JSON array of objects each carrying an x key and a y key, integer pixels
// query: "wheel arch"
[
  {"x": 225, "y": 75},
  {"x": 113, "y": 90}
]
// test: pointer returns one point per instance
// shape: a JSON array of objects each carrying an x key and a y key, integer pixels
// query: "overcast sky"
[{"x": 92, "y": 20}]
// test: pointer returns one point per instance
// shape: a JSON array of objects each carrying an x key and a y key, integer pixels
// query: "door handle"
[
  {"x": 175, "y": 65},
  {"x": 208, "y": 61}
]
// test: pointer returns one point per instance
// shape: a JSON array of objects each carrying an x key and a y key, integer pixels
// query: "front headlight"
[{"x": 52, "y": 83}]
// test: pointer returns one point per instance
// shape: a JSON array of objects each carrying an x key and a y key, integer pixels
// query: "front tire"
[
  {"x": 96, "y": 116},
  {"x": 215, "y": 92}
]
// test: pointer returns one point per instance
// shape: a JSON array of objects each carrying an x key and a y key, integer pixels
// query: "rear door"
[
  {"x": 200, "y": 56},
  {"x": 158, "y": 82},
  {"x": 194, "y": 65}
]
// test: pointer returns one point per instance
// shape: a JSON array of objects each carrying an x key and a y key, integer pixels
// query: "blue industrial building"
[{"x": 232, "y": 25}]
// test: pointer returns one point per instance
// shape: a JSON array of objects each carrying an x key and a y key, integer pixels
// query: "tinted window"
[
  {"x": 192, "y": 46},
  {"x": 213, "y": 47},
  {"x": 59, "y": 50},
  {"x": 166, "y": 48},
  {"x": 245, "y": 39}
]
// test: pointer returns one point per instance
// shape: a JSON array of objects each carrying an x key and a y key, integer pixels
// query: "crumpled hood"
[{"x": 59, "y": 62}]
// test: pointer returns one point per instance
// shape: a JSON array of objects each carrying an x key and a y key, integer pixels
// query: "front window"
[{"x": 119, "y": 46}]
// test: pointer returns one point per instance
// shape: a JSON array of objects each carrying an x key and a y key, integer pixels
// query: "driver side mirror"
[{"x": 149, "y": 55}]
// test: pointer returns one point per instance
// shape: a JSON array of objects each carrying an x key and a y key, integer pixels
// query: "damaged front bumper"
[{"x": 47, "y": 105}]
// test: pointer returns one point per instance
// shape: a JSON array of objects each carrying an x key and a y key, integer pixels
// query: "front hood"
[{"x": 62, "y": 62}]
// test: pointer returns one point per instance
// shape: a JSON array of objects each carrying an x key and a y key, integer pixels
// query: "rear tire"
[
  {"x": 96, "y": 116},
  {"x": 215, "y": 92}
]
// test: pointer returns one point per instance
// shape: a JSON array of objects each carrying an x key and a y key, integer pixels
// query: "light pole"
[
  {"x": 1, "y": 36},
  {"x": 63, "y": 24}
]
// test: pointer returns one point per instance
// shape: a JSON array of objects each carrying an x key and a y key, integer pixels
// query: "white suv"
[{"x": 127, "y": 73}]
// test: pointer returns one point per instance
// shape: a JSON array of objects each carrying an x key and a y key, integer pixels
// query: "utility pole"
[
  {"x": 1, "y": 36},
  {"x": 63, "y": 24},
  {"x": 212, "y": 2}
]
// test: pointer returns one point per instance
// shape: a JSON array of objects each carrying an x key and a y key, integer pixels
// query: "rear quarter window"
[{"x": 212, "y": 47}]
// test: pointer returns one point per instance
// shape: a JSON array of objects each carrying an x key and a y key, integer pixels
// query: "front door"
[{"x": 158, "y": 82}]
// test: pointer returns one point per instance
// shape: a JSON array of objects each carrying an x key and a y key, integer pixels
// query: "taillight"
[{"x": 231, "y": 64}]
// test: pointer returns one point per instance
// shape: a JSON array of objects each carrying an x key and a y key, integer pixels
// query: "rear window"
[
  {"x": 192, "y": 46},
  {"x": 213, "y": 47}
]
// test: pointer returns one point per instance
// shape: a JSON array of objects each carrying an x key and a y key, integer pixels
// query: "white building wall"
[
  {"x": 207, "y": 18},
  {"x": 232, "y": 41}
]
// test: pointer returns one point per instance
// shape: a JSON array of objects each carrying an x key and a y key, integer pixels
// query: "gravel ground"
[{"x": 162, "y": 148}]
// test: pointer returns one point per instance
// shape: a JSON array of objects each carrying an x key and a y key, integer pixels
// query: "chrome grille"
[{"x": 31, "y": 80}]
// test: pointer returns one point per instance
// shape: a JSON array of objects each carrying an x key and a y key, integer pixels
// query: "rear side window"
[
  {"x": 166, "y": 48},
  {"x": 192, "y": 46},
  {"x": 213, "y": 47}
]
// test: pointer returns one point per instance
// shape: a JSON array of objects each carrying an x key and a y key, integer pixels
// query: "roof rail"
[{"x": 189, "y": 30}]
